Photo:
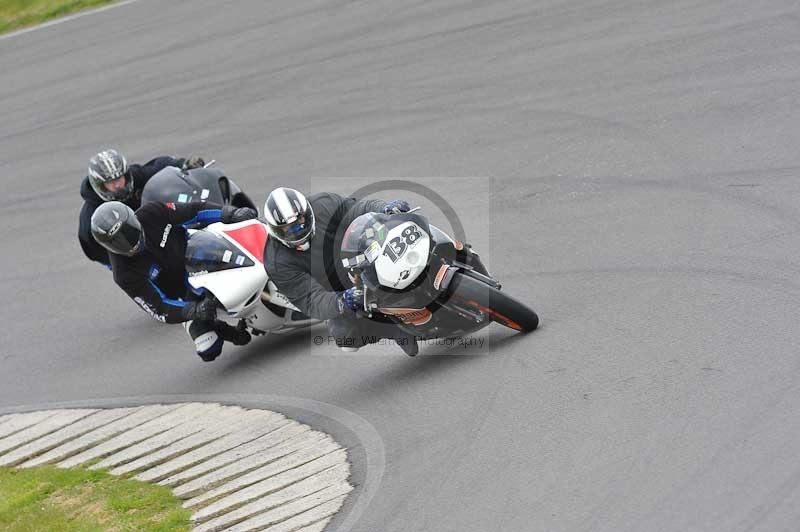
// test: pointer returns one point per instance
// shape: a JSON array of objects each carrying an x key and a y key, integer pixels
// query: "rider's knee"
[
  {"x": 209, "y": 345},
  {"x": 207, "y": 342}
]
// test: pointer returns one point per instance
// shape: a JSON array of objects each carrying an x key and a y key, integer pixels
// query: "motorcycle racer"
[
  {"x": 301, "y": 258},
  {"x": 146, "y": 253},
  {"x": 111, "y": 178}
]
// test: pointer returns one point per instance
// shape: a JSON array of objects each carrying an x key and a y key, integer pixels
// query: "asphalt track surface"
[{"x": 629, "y": 168}]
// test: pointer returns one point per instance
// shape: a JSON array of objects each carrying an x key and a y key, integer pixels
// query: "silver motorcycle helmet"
[
  {"x": 290, "y": 218},
  {"x": 105, "y": 169}
]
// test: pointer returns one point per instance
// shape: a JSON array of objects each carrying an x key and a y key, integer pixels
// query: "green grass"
[
  {"x": 47, "y": 499},
  {"x": 16, "y": 14}
]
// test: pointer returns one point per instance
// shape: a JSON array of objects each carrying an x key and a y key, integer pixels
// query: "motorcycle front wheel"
[{"x": 499, "y": 306}]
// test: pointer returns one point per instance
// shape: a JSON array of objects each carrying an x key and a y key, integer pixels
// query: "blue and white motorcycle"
[{"x": 227, "y": 259}]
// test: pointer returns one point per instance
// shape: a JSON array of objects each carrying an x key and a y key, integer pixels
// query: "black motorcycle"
[
  {"x": 199, "y": 184},
  {"x": 417, "y": 276}
]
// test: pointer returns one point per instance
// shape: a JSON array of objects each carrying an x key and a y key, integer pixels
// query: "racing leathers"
[
  {"x": 140, "y": 174},
  {"x": 156, "y": 278},
  {"x": 314, "y": 280}
]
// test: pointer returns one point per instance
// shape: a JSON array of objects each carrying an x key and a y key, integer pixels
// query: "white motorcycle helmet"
[{"x": 290, "y": 218}]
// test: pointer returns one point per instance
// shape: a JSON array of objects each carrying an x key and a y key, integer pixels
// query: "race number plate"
[{"x": 404, "y": 256}]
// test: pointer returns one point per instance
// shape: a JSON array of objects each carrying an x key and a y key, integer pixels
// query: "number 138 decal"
[{"x": 398, "y": 246}]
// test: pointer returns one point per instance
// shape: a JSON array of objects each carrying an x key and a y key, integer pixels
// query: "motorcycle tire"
[{"x": 499, "y": 306}]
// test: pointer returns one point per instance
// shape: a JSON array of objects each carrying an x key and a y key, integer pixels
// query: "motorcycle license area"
[{"x": 368, "y": 266}]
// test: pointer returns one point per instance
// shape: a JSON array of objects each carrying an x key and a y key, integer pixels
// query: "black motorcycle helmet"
[
  {"x": 108, "y": 166},
  {"x": 115, "y": 227}
]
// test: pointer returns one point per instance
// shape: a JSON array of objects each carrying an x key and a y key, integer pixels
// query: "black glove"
[
  {"x": 351, "y": 299},
  {"x": 193, "y": 162},
  {"x": 203, "y": 310},
  {"x": 396, "y": 207},
  {"x": 231, "y": 214}
]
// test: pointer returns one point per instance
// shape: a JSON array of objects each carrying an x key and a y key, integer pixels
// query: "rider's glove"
[
  {"x": 351, "y": 299},
  {"x": 396, "y": 207},
  {"x": 203, "y": 310},
  {"x": 193, "y": 162},
  {"x": 232, "y": 215}
]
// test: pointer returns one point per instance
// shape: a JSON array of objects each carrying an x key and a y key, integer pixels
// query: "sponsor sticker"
[
  {"x": 405, "y": 274},
  {"x": 410, "y": 316},
  {"x": 171, "y": 205},
  {"x": 226, "y": 257},
  {"x": 204, "y": 194},
  {"x": 147, "y": 308},
  {"x": 165, "y": 236},
  {"x": 239, "y": 259},
  {"x": 205, "y": 341},
  {"x": 372, "y": 252},
  {"x": 183, "y": 198}
]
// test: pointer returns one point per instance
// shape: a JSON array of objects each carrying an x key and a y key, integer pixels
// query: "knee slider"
[{"x": 209, "y": 345}]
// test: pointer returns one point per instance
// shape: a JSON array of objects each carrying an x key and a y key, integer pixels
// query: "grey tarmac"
[{"x": 628, "y": 168}]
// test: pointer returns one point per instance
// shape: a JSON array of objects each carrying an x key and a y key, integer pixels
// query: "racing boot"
[{"x": 236, "y": 335}]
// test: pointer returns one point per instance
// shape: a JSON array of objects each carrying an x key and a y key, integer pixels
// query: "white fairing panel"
[
  {"x": 276, "y": 298},
  {"x": 403, "y": 257},
  {"x": 234, "y": 288},
  {"x": 262, "y": 319}
]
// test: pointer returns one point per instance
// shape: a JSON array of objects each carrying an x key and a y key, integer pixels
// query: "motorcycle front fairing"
[
  {"x": 418, "y": 307},
  {"x": 219, "y": 264},
  {"x": 426, "y": 287}
]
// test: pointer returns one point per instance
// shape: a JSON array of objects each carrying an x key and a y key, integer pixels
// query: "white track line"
[
  {"x": 236, "y": 468},
  {"x": 65, "y": 19},
  {"x": 22, "y": 422},
  {"x": 220, "y": 452},
  {"x": 267, "y": 482},
  {"x": 49, "y": 425},
  {"x": 309, "y": 517},
  {"x": 98, "y": 435},
  {"x": 252, "y": 461},
  {"x": 66, "y": 434},
  {"x": 335, "y": 475}
]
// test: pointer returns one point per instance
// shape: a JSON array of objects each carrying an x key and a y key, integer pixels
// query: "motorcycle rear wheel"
[{"x": 499, "y": 306}]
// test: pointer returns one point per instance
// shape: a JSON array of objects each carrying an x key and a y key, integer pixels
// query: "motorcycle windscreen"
[
  {"x": 207, "y": 252},
  {"x": 363, "y": 239}
]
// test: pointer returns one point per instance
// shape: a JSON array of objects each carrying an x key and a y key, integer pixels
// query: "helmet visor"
[
  {"x": 117, "y": 189},
  {"x": 298, "y": 232},
  {"x": 128, "y": 239}
]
